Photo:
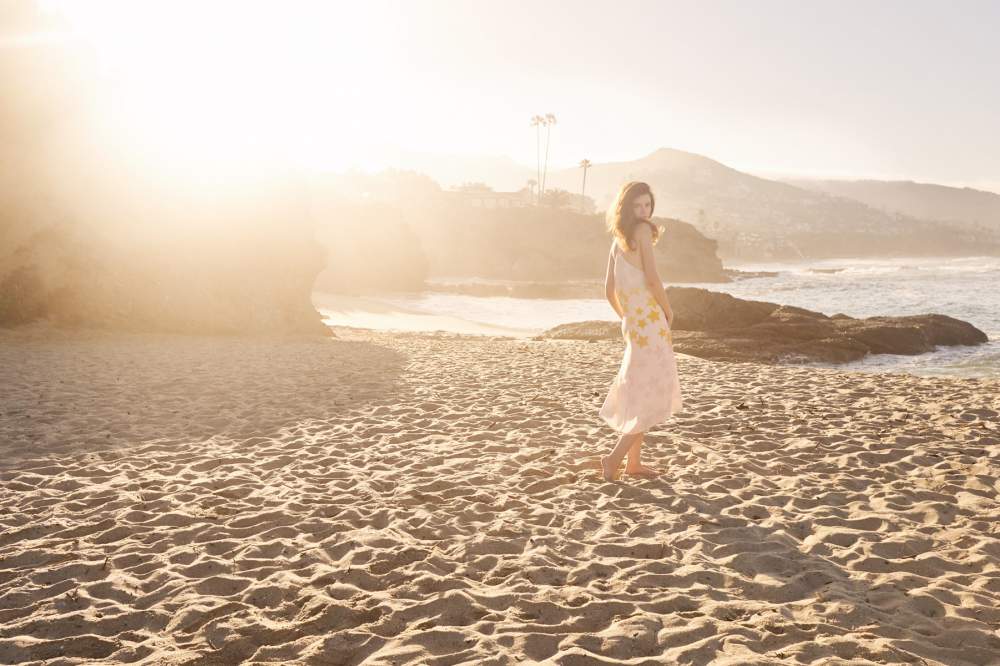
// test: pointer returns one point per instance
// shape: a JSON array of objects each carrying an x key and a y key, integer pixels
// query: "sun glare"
[{"x": 223, "y": 83}]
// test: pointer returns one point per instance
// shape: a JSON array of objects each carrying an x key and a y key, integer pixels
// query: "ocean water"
[{"x": 966, "y": 288}]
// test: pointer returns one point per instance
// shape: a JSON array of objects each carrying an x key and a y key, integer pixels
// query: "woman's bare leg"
[
  {"x": 635, "y": 466},
  {"x": 611, "y": 462}
]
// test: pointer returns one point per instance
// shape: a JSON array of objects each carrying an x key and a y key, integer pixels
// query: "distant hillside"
[
  {"x": 922, "y": 200},
  {"x": 758, "y": 219}
]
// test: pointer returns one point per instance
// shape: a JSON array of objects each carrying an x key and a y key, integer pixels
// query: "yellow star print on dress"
[{"x": 646, "y": 391}]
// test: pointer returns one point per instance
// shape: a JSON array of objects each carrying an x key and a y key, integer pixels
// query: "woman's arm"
[
  {"x": 609, "y": 284},
  {"x": 644, "y": 237}
]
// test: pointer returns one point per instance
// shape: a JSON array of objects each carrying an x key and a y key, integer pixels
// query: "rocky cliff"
[{"x": 402, "y": 243}]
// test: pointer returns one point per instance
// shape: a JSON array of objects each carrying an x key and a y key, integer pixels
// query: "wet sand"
[{"x": 434, "y": 499}]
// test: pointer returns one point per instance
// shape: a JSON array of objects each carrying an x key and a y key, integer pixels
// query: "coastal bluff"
[
  {"x": 721, "y": 327},
  {"x": 539, "y": 250},
  {"x": 239, "y": 264},
  {"x": 95, "y": 234}
]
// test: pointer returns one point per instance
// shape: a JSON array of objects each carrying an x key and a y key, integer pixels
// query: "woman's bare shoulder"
[{"x": 644, "y": 229}]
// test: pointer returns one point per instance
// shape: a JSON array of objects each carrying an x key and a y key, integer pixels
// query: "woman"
[{"x": 646, "y": 390}]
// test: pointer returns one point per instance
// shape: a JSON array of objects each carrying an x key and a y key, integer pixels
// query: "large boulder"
[
  {"x": 910, "y": 335},
  {"x": 688, "y": 255},
  {"x": 703, "y": 310},
  {"x": 721, "y": 327}
]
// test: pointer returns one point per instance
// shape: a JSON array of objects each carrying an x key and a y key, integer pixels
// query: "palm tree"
[
  {"x": 537, "y": 122},
  {"x": 532, "y": 183},
  {"x": 584, "y": 164},
  {"x": 549, "y": 121}
]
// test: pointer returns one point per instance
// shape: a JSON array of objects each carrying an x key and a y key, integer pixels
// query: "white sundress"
[{"x": 646, "y": 391}]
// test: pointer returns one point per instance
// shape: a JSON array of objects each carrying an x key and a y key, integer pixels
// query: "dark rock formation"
[
  {"x": 688, "y": 255},
  {"x": 721, "y": 327}
]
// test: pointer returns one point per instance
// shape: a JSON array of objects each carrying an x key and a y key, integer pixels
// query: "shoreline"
[{"x": 948, "y": 288}]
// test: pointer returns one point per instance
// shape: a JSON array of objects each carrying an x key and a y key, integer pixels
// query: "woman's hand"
[{"x": 670, "y": 318}]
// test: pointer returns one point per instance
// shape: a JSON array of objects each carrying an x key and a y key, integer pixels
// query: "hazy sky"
[{"x": 880, "y": 89}]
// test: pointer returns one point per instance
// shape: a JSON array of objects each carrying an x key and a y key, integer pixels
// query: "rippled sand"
[{"x": 434, "y": 499}]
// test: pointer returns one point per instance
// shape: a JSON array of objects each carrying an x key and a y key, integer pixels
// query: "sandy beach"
[{"x": 406, "y": 498}]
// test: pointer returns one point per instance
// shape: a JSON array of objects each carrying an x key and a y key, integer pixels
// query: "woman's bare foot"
[
  {"x": 606, "y": 471},
  {"x": 641, "y": 470}
]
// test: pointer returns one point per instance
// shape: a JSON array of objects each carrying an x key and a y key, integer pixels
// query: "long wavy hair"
[{"x": 622, "y": 221}]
